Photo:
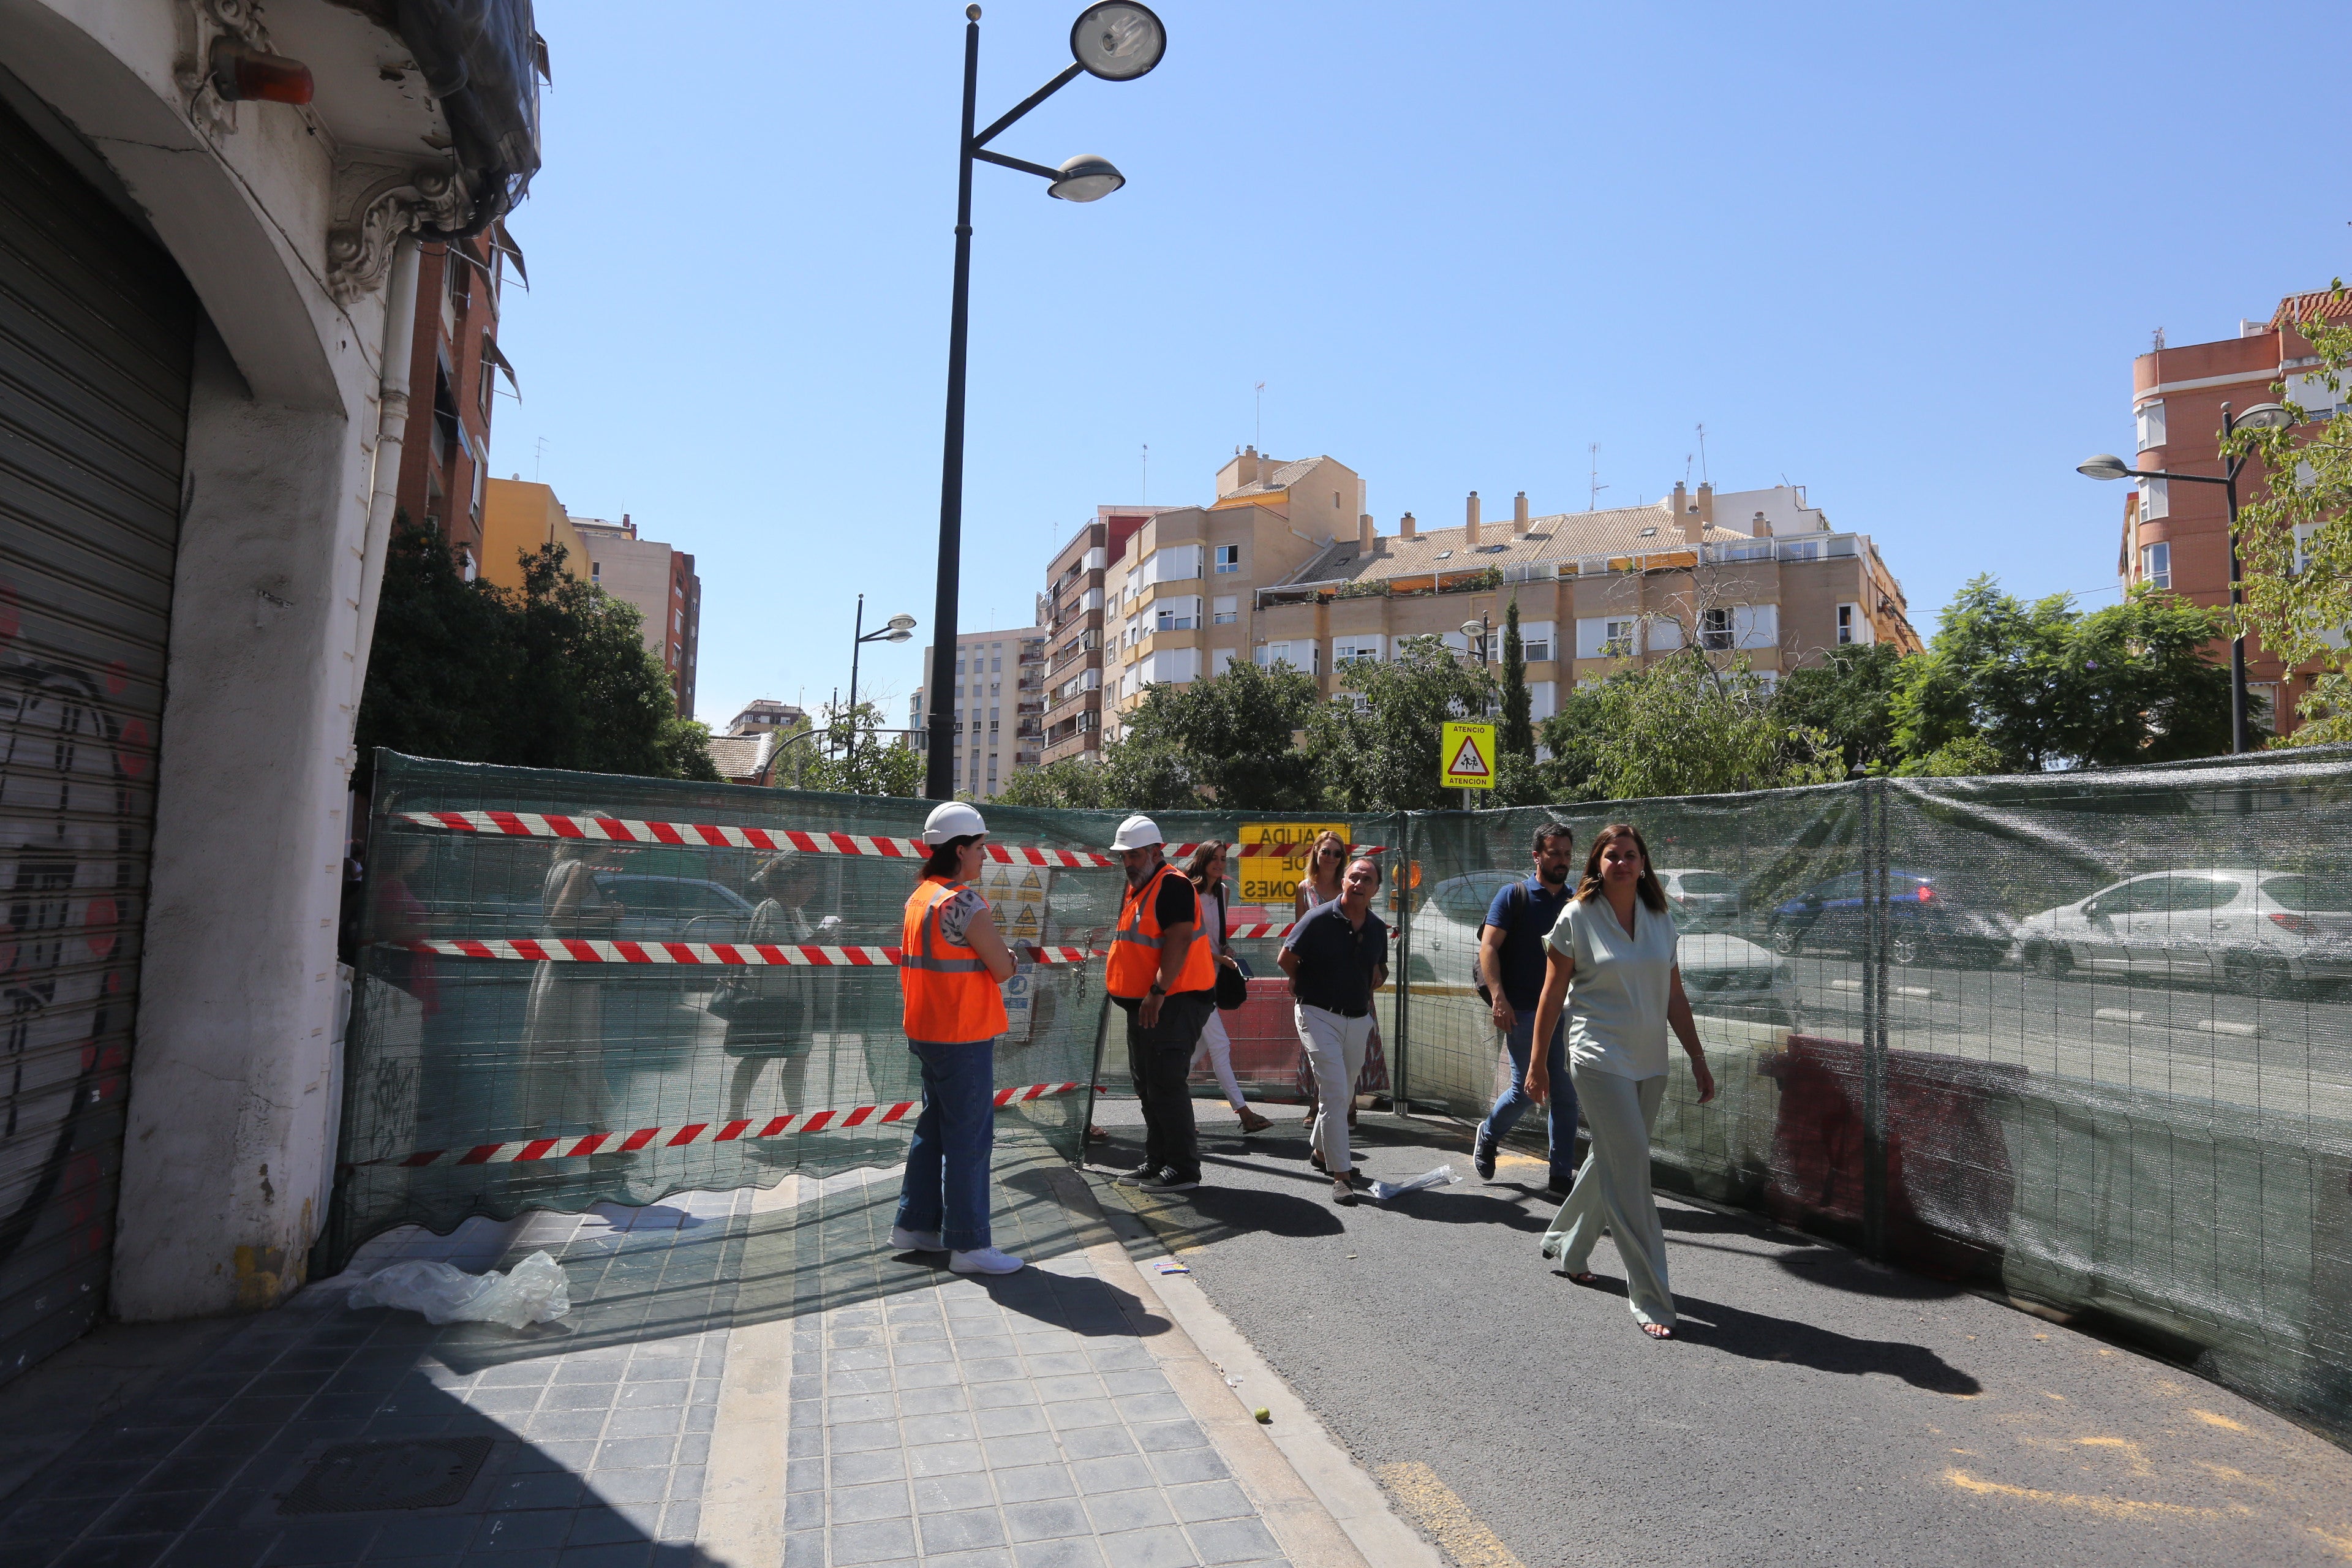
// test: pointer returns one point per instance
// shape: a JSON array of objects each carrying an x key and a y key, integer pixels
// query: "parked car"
[
  {"x": 1721, "y": 973},
  {"x": 1702, "y": 899},
  {"x": 675, "y": 909},
  {"x": 1922, "y": 916},
  {"x": 2266, "y": 932}
]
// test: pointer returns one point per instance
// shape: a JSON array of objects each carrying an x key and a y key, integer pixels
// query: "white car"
[
  {"x": 2265, "y": 931},
  {"x": 1702, "y": 899},
  {"x": 1721, "y": 973}
]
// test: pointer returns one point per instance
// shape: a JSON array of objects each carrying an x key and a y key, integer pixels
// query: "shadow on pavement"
[{"x": 1759, "y": 1337}]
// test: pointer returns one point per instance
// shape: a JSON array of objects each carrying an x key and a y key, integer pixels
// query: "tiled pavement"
[{"x": 924, "y": 1418}]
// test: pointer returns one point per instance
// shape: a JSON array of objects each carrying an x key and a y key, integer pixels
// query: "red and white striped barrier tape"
[
  {"x": 582, "y": 950},
  {"x": 625, "y": 830},
  {"x": 575, "y": 1147}
]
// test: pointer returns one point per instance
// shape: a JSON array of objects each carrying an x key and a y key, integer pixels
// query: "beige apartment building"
[
  {"x": 1179, "y": 601},
  {"x": 519, "y": 518},
  {"x": 660, "y": 581},
  {"x": 1071, "y": 611},
  {"x": 999, "y": 701},
  {"x": 1759, "y": 574}
]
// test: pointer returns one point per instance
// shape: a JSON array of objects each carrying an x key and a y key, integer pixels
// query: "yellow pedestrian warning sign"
[
  {"x": 1466, "y": 755},
  {"x": 1032, "y": 879}
]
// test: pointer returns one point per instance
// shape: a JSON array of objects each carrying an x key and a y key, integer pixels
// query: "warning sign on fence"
[
  {"x": 1465, "y": 756},
  {"x": 1272, "y": 880}
]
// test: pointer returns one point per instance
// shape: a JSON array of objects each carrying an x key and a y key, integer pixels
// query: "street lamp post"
[
  {"x": 897, "y": 628},
  {"x": 2261, "y": 416},
  {"x": 1477, "y": 631},
  {"x": 1116, "y": 40}
]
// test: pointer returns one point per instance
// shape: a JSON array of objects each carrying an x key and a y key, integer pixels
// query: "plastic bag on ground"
[
  {"x": 533, "y": 1291},
  {"x": 1442, "y": 1177}
]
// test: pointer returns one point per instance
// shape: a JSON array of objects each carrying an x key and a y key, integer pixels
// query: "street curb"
[
  {"x": 1322, "y": 1507},
  {"x": 744, "y": 1496}
]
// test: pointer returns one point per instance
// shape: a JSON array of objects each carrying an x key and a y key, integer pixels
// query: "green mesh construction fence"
[{"x": 2082, "y": 1038}]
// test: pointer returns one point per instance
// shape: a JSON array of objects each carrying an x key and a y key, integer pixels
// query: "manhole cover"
[{"x": 362, "y": 1477}]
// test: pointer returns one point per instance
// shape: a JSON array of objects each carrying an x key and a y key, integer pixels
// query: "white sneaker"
[
  {"x": 987, "y": 1260},
  {"x": 905, "y": 1240}
]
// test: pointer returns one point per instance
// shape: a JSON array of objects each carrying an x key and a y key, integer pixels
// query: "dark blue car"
[{"x": 1921, "y": 918}]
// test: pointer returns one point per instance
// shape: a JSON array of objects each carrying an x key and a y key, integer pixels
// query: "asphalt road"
[{"x": 1814, "y": 1409}]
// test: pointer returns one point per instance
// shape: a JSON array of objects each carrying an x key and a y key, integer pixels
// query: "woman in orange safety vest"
[{"x": 951, "y": 963}]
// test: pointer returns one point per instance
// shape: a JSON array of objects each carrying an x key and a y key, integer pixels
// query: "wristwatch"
[{"x": 1158, "y": 989}]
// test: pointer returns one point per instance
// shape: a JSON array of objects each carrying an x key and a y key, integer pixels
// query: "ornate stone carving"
[
  {"x": 373, "y": 206},
  {"x": 201, "y": 23}
]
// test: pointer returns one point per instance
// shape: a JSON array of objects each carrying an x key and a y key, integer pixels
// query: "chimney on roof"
[
  {"x": 1470, "y": 520},
  {"x": 1763, "y": 530},
  {"x": 1364, "y": 534},
  {"x": 1405, "y": 526},
  {"x": 1686, "y": 516},
  {"x": 1707, "y": 502},
  {"x": 1520, "y": 514}
]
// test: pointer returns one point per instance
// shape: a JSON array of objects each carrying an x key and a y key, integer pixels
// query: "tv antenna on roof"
[
  {"x": 1704, "y": 476},
  {"x": 1593, "y": 496},
  {"x": 1147, "y": 474},
  {"x": 1261, "y": 419}
]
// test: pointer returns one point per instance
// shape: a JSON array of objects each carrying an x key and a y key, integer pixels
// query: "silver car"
[{"x": 2266, "y": 932}]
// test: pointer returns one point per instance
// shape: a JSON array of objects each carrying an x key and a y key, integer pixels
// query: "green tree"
[
  {"x": 554, "y": 675},
  {"x": 848, "y": 754},
  {"x": 1682, "y": 726},
  {"x": 1384, "y": 756},
  {"x": 2294, "y": 541},
  {"x": 1851, "y": 699},
  {"x": 2046, "y": 686},
  {"x": 1127, "y": 776},
  {"x": 1230, "y": 736},
  {"x": 1516, "y": 737}
]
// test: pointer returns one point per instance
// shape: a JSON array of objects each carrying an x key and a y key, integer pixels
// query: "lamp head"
[
  {"x": 1118, "y": 40},
  {"x": 2263, "y": 416},
  {"x": 901, "y": 623},
  {"x": 2105, "y": 465},
  {"x": 1473, "y": 628},
  {"x": 897, "y": 634},
  {"x": 1087, "y": 178}
]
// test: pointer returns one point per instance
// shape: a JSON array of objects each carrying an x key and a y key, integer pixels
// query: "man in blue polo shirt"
[{"x": 1511, "y": 964}]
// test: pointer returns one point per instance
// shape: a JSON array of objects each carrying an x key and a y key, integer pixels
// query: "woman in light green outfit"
[{"x": 1612, "y": 964}]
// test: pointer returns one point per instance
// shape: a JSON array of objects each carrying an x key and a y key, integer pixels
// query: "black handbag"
[{"x": 1232, "y": 988}]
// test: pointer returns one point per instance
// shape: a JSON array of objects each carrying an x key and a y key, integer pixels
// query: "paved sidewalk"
[{"x": 746, "y": 1378}]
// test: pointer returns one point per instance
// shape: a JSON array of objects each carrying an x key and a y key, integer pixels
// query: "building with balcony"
[
  {"x": 999, "y": 705},
  {"x": 1071, "y": 611},
  {"x": 660, "y": 581},
  {"x": 2179, "y": 539},
  {"x": 1180, "y": 599},
  {"x": 1752, "y": 574},
  {"x": 454, "y": 364}
]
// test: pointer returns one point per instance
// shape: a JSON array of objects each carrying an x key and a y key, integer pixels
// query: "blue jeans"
[
  {"x": 946, "y": 1187},
  {"x": 1515, "y": 1101}
]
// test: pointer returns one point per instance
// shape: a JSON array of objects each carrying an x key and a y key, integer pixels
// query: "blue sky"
[{"x": 1902, "y": 256}]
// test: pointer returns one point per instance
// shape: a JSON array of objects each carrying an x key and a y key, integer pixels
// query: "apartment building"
[
  {"x": 519, "y": 518},
  {"x": 454, "y": 363},
  {"x": 1000, "y": 704},
  {"x": 2180, "y": 539},
  {"x": 1071, "y": 611},
  {"x": 1180, "y": 600},
  {"x": 660, "y": 581}
]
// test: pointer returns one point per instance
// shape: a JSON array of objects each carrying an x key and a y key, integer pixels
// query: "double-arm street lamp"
[
  {"x": 897, "y": 628},
  {"x": 1116, "y": 40},
  {"x": 2261, "y": 417}
]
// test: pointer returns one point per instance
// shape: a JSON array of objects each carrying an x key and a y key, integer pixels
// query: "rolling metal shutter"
[{"x": 97, "y": 328}]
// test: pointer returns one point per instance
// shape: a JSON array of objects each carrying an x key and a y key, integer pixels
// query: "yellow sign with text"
[
  {"x": 1465, "y": 756},
  {"x": 1272, "y": 878}
]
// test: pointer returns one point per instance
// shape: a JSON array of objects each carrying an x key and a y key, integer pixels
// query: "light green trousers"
[{"x": 1612, "y": 1189}]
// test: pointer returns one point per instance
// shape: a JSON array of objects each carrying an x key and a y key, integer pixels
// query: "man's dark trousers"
[{"x": 1160, "y": 1058}]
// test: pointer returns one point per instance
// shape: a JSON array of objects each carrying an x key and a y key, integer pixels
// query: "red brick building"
[
  {"x": 2176, "y": 536},
  {"x": 445, "y": 454}
]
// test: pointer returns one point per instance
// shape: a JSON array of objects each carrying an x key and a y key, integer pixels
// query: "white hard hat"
[
  {"x": 1136, "y": 833},
  {"x": 956, "y": 820}
]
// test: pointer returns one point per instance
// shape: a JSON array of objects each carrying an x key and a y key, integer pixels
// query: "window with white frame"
[
  {"x": 1661, "y": 634},
  {"x": 1755, "y": 626},
  {"x": 2311, "y": 394},
  {"x": 1542, "y": 700},
  {"x": 1618, "y": 638},
  {"x": 1360, "y": 649},
  {"x": 1229, "y": 558},
  {"x": 1178, "y": 614},
  {"x": 2303, "y": 537},
  {"x": 1270, "y": 654},
  {"x": 1172, "y": 563},
  {"x": 2155, "y": 499},
  {"x": 1535, "y": 641},
  {"x": 1593, "y": 634},
  {"x": 1221, "y": 659},
  {"x": 2149, "y": 417},
  {"x": 1853, "y": 626},
  {"x": 2156, "y": 564},
  {"x": 1715, "y": 633},
  {"x": 1224, "y": 609}
]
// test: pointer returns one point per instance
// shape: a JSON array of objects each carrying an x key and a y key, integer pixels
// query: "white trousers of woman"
[
  {"x": 1612, "y": 1188},
  {"x": 1335, "y": 1046},
  {"x": 1218, "y": 1047}
]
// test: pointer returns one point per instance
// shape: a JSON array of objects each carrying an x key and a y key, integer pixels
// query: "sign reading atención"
[{"x": 1465, "y": 756}]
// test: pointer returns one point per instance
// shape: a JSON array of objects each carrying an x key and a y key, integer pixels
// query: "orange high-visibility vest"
[
  {"x": 950, "y": 998},
  {"x": 1134, "y": 945}
]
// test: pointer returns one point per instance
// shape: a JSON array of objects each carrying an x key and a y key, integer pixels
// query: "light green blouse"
[{"x": 1617, "y": 1000}]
